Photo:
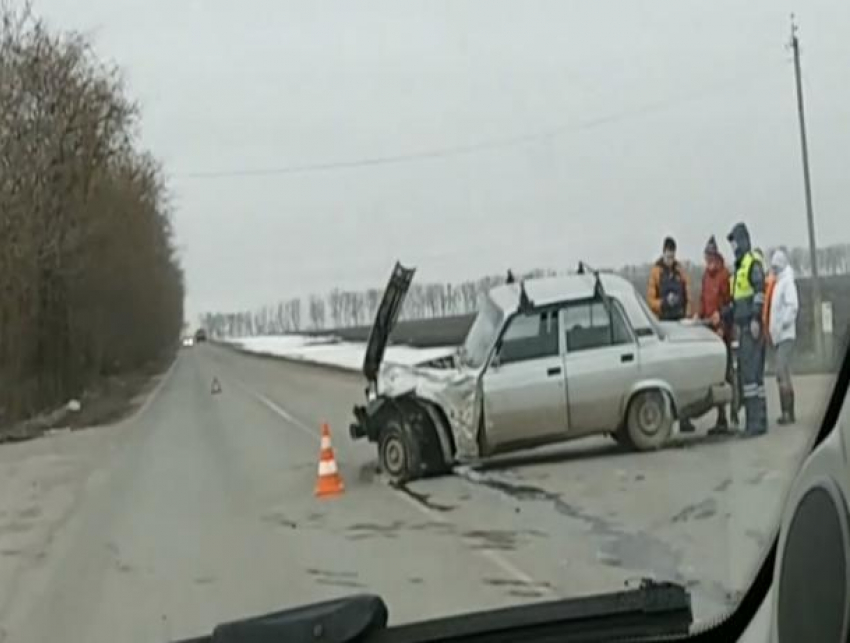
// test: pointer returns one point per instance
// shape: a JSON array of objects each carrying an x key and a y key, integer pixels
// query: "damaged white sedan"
[{"x": 545, "y": 361}]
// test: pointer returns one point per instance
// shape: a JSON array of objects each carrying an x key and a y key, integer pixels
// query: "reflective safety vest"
[
  {"x": 744, "y": 297},
  {"x": 739, "y": 281},
  {"x": 741, "y": 286}
]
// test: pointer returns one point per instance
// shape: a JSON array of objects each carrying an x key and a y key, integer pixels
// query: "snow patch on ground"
[{"x": 333, "y": 351}]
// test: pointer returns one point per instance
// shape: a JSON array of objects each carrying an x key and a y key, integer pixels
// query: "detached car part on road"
[{"x": 545, "y": 361}]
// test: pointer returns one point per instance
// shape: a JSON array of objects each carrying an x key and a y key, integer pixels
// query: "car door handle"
[
  {"x": 555, "y": 370},
  {"x": 627, "y": 357}
]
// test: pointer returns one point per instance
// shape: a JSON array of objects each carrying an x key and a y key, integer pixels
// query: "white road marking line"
[
  {"x": 274, "y": 408},
  {"x": 493, "y": 556},
  {"x": 151, "y": 396}
]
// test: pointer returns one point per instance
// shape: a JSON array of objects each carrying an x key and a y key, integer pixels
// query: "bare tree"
[
  {"x": 295, "y": 314},
  {"x": 335, "y": 303},
  {"x": 90, "y": 279},
  {"x": 373, "y": 298},
  {"x": 317, "y": 312}
]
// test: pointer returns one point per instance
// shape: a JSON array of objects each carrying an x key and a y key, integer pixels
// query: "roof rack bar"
[{"x": 598, "y": 288}]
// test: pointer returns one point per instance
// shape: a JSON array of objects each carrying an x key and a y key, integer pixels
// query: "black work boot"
[
  {"x": 756, "y": 423},
  {"x": 686, "y": 426},
  {"x": 722, "y": 426},
  {"x": 792, "y": 415},
  {"x": 784, "y": 404}
]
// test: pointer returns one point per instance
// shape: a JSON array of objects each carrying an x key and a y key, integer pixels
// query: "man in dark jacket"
[
  {"x": 745, "y": 312},
  {"x": 668, "y": 290}
]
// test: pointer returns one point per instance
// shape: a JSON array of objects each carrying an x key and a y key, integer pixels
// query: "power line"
[{"x": 474, "y": 148}]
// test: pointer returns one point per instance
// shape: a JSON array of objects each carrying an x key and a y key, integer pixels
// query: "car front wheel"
[
  {"x": 398, "y": 453},
  {"x": 650, "y": 420}
]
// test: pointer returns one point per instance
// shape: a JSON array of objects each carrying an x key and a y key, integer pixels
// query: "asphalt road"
[{"x": 200, "y": 509}]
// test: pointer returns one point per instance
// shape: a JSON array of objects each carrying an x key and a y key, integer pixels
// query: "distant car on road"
[
  {"x": 188, "y": 341},
  {"x": 200, "y": 335},
  {"x": 545, "y": 361}
]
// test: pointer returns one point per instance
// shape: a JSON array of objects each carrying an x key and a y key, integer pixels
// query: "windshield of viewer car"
[{"x": 206, "y": 206}]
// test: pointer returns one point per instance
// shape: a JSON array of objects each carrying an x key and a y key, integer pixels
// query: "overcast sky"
[{"x": 562, "y": 131}]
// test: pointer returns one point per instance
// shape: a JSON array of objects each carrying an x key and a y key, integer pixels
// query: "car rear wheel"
[
  {"x": 398, "y": 453},
  {"x": 650, "y": 420}
]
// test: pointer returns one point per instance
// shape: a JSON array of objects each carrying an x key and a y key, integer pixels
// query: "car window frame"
[
  {"x": 610, "y": 304},
  {"x": 538, "y": 310}
]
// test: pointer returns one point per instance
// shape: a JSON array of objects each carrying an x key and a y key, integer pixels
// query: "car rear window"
[{"x": 591, "y": 325}]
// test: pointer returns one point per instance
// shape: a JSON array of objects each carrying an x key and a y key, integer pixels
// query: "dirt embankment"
[{"x": 110, "y": 399}]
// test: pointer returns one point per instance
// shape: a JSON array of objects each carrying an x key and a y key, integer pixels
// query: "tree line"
[
  {"x": 348, "y": 308},
  {"x": 90, "y": 281}
]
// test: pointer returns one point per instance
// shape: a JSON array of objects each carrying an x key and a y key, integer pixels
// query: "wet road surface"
[{"x": 200, "y": 509}]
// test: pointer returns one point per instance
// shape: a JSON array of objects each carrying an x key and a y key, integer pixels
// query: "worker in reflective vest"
[
  {"x": 746, "y": 313},
  {"x": 770, "y": 282}
]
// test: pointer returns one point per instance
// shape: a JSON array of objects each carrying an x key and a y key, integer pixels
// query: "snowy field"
[{"x": 332, "y": 351}]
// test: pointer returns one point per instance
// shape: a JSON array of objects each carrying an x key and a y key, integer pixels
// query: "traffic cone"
[
  {"x": 330, "y": 482},
  {"x": 215, "y": 389}
]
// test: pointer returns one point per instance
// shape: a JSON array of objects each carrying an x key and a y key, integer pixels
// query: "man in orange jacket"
[
  {"x": 668, "y": 295},
  {"x": 768, "y": 297},
  {"x": 668, "y": 291}
]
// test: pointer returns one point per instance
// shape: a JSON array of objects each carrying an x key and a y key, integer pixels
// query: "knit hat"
[{"x": 711, "y": 247}]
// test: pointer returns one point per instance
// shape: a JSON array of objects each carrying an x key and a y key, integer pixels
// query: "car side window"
[
  {"x": 593, "y": 325},
  {"x": 530, "y": 336},
  {"x": 622, "y": 334}
]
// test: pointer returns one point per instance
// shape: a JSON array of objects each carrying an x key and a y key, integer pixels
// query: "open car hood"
[{"x": 385, "y": 319}]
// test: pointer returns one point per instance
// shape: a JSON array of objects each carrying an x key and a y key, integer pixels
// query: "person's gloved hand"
[{"x": 755, "y": 328}]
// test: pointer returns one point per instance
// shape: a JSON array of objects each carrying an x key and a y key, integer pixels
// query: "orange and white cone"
[{"x": 329, "y": 482}]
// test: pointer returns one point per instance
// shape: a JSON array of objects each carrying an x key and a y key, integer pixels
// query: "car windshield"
[
  {"x": 210, "y": 209},
  {"x": 482, "y": 334}
]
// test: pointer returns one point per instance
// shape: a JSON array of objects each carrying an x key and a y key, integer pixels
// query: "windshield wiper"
[{"x": 652, "y": 610}]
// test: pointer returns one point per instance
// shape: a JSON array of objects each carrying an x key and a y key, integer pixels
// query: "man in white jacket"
[{"x": 784, "y": 306}]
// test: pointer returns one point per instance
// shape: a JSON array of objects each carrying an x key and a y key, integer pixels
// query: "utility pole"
[{"x": 817, "y": 299}]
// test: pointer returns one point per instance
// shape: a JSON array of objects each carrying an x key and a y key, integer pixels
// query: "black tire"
[
  {"x": 649, "y": 420},
  {"x": 621, "y": 437},
  {"x": 424, "y": 433},
  {"x": 398, "y": 453}
]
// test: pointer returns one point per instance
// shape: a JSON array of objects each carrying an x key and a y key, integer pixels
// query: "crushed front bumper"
[
  {"x": 364, "y": 415},
  {"x": 358, "y": 429}
]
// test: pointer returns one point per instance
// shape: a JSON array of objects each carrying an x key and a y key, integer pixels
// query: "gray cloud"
[{"x": 705, "y": 131}]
